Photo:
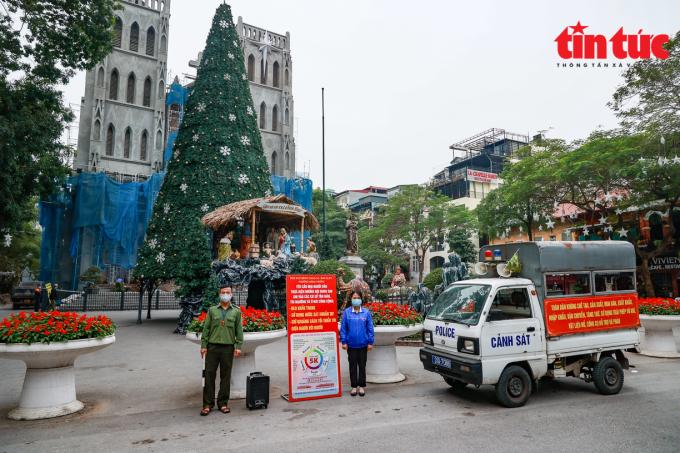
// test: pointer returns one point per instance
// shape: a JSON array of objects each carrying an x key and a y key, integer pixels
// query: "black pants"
[
  {"x": 357, "y": 366},
  {"x": 221, "y": 355}
]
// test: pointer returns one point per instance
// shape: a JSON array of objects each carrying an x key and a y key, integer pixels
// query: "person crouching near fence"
[
  {"x": 356, "y": 337},
  {"x": 221, "y": 341}
]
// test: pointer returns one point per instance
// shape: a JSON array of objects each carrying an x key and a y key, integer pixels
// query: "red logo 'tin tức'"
[{"x": 579, "y": 45}]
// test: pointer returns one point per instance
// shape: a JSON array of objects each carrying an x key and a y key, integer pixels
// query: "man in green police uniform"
[{"x": 221, "y": 341}]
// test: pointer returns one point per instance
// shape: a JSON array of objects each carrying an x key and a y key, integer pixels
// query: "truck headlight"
[
  {"x": 468, "y": 345},
  {"x": 427, "y": 337}
]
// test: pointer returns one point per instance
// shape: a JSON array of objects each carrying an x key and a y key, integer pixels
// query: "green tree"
[
  {"x": 523, "y": 197},
  {"x": 459, "y": 242},
  {"x": 42, "y": 44},
  {"x": 217, "y": 159},
  {"x": 20, "y": 249},
  {"x": 336, "y": 217},
  {"x": 649, "y": 98},
  {"x": 417, "y": 218},
  {"x": 379, "y": 253},
  {"x": 434, "y": 278}
]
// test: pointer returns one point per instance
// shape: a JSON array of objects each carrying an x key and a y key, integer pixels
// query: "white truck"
[{"x": 571, "y": 310}]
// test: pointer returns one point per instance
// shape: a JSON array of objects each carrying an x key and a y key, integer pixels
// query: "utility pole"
[{"x": 323, "y": 168}]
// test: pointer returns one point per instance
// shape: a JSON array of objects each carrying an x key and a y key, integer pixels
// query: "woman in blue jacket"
[{"x": 356, "y": 336}]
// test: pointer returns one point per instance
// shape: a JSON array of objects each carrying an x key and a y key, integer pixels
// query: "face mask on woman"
[
  {"x": 225, "y": 297},
  {"x": 356, "y": 302}
]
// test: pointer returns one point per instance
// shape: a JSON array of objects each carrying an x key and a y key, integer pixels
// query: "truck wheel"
[
  {"x": 514, "y": 387},
  {"x": 455, "y": 383},
  {"x": 608, "y": 376}
]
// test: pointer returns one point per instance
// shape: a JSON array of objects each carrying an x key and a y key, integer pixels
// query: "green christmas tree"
[{"x": 217, "y": 160}]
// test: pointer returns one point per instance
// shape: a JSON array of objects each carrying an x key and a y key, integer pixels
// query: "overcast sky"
[{"x": 406, "y": 79}]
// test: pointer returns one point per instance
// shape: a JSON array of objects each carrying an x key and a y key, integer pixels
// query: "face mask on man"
[
  {"x": 225, "y": 298},
  {"x": 356, "y": 302}
]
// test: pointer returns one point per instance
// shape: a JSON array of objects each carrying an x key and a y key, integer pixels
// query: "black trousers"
[
  {"x": 357, "y": 366},
  {"x": 222, "y": 356}
]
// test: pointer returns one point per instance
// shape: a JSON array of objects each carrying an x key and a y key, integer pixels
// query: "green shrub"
[
  {"x": 331, "y": 267},
  {"x": 381, "y": 295},
  {"x": 93, "y": 275},
  {"x": 387, "y": 280},
  {"x": 434, "y": 278}
]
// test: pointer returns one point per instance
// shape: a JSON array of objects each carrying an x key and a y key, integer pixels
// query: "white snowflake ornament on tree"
[
  {"x": 160, "y": 258},
  {"x": 243, "y": 76},
  {"x": 166, "y": 208},
  {"x": 249, "y": 110},
  {"x": 225, "y": 150},
  {"x": 8, "y": 240},
  {"x": 245, "y": 141},
  {"x": 227, "y": 77},
  {"x": 205, "y": 208},
  {"x": 232, "y": 117},
  {"x": 200, "y": 107},
  {"x": 195, "y": 138},
  {"x": 230, "y": 56},
  {"x": 243, "y": 178},
  {"x": 183, "y": 187},
  {"x": 224, "y": 24},
  {"x": 153, "y": 243}
]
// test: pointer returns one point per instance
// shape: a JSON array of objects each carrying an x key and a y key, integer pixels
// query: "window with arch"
[
  {"x": 164, "y": 44},
  {"x": 110, "y": 140},
  {"x": 275, "y": 118},
  {"x": 161, "y": 90},
  {"x": 130, "y": 93},
  {"x": 159, "y": 140},
  {"x": 286, "y": 117},
  {"x": 150, "y": 41},
  {"x": 146, "y": 98},
  {"x": 134, "y": 37},
  {"x": 263, "y": 72},
  {"x": 127, "y": 143},
  {"x": 286, "y": 78},
  {"x": 113, "y": 85},
  {"x": 251, "y": 67},
  {"x": 274, "y": 157},
  {"x": 263, "y": 115},
  {"x": 287, "y": 160},
  {"x": 275, "y": 74},
  {"x": 143, "y": 144},
  {"x": 100, "y": 77},
  {"x": 117, "y": 32},
  {"x": 97, "y": 132}
]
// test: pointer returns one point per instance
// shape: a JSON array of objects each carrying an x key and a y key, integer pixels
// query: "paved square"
[{"x": 144, "y": 394}]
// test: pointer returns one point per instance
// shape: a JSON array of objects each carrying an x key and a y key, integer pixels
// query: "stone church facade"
[{"x": 122, "y": 115}]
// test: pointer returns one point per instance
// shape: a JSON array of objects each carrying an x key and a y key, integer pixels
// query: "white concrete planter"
[
  {"x": 660, "y": 336},
  {"x": 382, "y": 366},
  {"x": 50, "y": 383},
  {"x": 246, "y": 363}
]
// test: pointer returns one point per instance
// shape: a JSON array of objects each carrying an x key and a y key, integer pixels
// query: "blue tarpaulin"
[{"x": 101, "y": 222}]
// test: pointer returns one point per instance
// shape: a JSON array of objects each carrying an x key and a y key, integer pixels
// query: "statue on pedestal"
[{"x": 352, "y": 243}]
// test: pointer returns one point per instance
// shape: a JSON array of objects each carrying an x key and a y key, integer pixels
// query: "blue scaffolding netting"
[{"x": 100, "y": 222}]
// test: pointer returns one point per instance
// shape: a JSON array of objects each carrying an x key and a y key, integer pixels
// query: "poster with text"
[{"x": 313, "y": 348}]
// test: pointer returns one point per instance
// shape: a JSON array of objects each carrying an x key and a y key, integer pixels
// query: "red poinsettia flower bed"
[
  {"x": 389, "y": 314},
  {"x": 252, "y": 319},
  {"x": 54, "y": 326},
  {"x": 658, "y": 306}
]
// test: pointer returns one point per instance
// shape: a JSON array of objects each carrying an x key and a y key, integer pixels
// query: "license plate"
[{"x": 441, "y": 361}]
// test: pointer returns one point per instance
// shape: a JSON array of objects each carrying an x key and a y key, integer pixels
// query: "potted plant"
[
  {"x": 260, "y": 327},
  {"x": 660, "y": 318},
  {"x": 391, "y": 322},
  {"x": 49, "y": 343}
]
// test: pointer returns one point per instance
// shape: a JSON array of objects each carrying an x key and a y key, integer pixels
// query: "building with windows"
[
  {"x": 477, "y": 162},
  {"x": 122, "y": 114}
]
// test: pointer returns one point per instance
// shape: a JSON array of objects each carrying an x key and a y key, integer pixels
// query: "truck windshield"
[{"x": 460, "y": 303}]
